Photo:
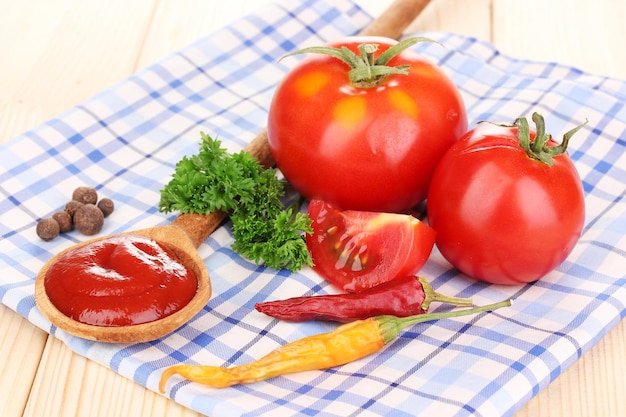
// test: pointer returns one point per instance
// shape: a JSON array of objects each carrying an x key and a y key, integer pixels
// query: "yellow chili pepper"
[{"x": 347, "y": 343}]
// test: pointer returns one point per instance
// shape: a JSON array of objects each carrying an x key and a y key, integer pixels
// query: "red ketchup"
[{"x": 120, "y": 281}]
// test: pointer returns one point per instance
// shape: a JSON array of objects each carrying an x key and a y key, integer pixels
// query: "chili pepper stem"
[
  {"x": 432, "y": 295},
  {"x": 391, "y": 326}
]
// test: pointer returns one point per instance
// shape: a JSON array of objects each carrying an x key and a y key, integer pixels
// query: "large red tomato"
[
  {"x": 356, "y": 250},
  {"x": 503, "y": 216},
  {"x": 364, "y": 147}
]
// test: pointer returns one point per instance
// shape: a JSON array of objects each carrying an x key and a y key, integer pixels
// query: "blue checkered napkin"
[{"x": 127, "y": 140}]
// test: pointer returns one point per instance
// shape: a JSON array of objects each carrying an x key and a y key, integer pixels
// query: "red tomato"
[
  {"x": 356, "y": 250},
  {"x": 364, "y": 148},
  {"x": 501, "y": 216}
]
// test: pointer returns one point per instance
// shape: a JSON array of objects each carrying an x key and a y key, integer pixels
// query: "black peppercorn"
[
  {"x": 88, "y": 219},
  {"x": 86, "y": 195},
  {"x": 47, "y": 229}
]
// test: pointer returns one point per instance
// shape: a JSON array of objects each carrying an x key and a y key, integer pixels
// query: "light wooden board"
[{"x": 57, "y": 53}]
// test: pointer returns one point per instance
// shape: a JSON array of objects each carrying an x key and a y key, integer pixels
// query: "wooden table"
[{"x": 56, "y": 53}]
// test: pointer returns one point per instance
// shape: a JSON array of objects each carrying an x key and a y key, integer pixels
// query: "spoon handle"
[
  {"x": 395, "y": 19},
  {"x": 391, "y": 23}
]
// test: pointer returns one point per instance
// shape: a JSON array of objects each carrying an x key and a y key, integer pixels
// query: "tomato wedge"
[{"x": 356, "y": 250}]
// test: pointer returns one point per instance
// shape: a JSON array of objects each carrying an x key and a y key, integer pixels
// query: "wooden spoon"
[
  {"x": 183, "y": 236},
  {"x": 188, "y": 231},
  {"x": 172, "y": 236}
]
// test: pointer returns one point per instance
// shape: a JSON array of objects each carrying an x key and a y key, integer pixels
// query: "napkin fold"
[{"x": 127, "y": 140}]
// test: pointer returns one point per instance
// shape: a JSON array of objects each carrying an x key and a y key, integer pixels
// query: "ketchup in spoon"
[{"x": 119, "y": 281}]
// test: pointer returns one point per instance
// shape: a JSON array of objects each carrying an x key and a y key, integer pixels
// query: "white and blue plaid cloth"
[{"x": 126, "y": 141}]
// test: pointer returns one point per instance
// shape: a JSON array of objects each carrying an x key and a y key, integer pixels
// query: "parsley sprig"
[{"x": 215, "y": 180}]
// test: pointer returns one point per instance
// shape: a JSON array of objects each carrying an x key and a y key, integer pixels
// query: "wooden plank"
[
  {"x": 469, "y": 18},
  {"x": 49, "y": 69},
  {"x": 575, "y": 32},
  {"x": 98, "y": 49},
  {"x": 69, "y": 385},
  {"x": 17, "y": 374},
  {"x": 593, "y": 386},
  {"x": 174, "y": 27}
]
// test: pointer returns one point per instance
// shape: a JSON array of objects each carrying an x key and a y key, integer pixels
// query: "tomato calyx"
[
  {"x": 539, "y": 149},
  {"x": 367, "y": 72}
]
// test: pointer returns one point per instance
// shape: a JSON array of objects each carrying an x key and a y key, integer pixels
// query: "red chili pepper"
[{"x": 401, "y": 297}]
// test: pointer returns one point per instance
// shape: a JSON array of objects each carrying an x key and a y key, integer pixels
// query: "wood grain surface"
[{"x": 57, "y": 53}]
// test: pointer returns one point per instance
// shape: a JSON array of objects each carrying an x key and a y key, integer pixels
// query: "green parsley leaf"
[{"x": 215, "y": 180}]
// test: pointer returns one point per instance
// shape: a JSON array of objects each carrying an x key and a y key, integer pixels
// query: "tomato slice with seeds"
[{"x": 356, "y": 250}]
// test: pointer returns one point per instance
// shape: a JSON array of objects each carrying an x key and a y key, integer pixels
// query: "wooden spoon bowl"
[{"x": 171, "y": 236}]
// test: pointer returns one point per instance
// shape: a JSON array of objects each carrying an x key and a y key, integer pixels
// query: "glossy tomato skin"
[
  {"x": 500, "y": 216},
  {"x": 364, "y": 148},
  {"x": 356, "y": 250}
]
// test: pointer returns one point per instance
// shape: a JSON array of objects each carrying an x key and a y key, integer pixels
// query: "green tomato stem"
[
  {"x": 365, "y": 71},
  {"x": 539, "y": 149}
]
